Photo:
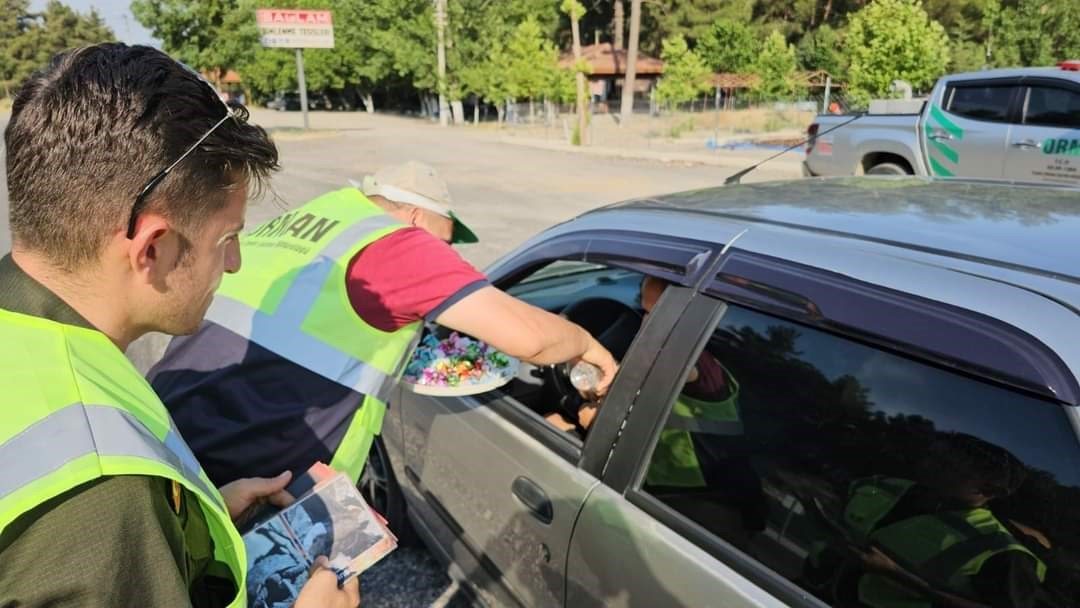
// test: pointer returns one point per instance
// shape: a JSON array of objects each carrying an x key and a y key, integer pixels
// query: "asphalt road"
[{"x": 505, "y": 192}]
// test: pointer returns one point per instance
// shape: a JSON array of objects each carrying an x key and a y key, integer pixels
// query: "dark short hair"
[{"x": 88, "y": 132}]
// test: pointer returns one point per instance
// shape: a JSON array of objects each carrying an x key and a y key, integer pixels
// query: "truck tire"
[{"x": 887, "y": 169}]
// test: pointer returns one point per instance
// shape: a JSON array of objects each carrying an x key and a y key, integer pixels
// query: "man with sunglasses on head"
[
  {"x": 302, "y": 347},
  {"x": 127, "y": 182}
]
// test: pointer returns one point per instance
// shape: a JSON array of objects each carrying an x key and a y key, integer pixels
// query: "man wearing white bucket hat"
[{"x": 301, "y": 347}]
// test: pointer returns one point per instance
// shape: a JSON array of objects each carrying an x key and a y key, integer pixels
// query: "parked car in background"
[
  {"x": 879, "y": 337},
  {"x": 290, "y": 101},
  {"x": 1015, "y": 124}
]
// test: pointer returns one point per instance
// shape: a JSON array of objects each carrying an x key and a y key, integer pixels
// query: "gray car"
[{"x": 899, "y": 362}]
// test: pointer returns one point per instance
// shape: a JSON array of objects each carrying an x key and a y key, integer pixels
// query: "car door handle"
[
  {"x": 534, "y": 498},
  {"x": 939, "y": 135},
  {"x": 1027, "y": 144}
]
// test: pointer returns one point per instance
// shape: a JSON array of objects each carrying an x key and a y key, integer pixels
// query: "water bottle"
[{"x": 585, "y": 377}]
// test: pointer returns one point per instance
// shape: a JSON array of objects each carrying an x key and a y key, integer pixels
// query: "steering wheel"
[{"x": 613, "y": 324}]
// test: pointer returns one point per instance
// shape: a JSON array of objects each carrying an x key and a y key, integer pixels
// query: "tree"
[
  {"x": 31, "y": 39},
  {"x": 685, "y": 74},
  {"x": 820, "y": 50},
  {"x": 894, "y": 40},
  {"x": 575, "y": 10},
  {"x": 209, "y": 35},
  {"x": 626, "y": 107},
  {"x": 729, "y": 46},
  {"x": 693, "y": 18},
  {"x": 775, "y": 67}
]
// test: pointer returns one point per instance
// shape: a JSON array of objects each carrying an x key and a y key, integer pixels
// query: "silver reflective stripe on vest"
[
  {"x": 78, "y": 430},
  {"x": 282, "y": 331},
  {"x": 705, "y": 426}
]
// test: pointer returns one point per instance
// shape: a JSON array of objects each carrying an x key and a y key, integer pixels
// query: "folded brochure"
[{"x": 331, "y": 519}]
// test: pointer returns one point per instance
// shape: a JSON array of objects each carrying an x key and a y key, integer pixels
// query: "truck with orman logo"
[{"x": 1014, "y": 124}]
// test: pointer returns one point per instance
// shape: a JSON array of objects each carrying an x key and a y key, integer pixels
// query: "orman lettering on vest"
[{"x": 307, "y": 227}]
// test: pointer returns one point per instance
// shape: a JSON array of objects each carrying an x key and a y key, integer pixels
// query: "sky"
[{"x": 117, "y": 15}]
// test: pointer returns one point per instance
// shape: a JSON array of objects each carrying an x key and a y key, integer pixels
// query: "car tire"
[
  {"x": 380, "y": 489},
  {"x": 887, "y": 169}
]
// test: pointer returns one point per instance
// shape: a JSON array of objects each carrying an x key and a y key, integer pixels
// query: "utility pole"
[
  {"x": 575, "y": 10},
  {"x": 627, "y": 107},
  {"x": 303, "y": 85},
  {"x": 440, "y": 27}
]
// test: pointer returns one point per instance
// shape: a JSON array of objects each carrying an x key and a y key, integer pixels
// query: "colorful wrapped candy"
[{"x": 455, "y": 361}]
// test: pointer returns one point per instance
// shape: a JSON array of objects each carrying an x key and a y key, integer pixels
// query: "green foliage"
[
  {"x": 775, "y": 66},
  {"x": 28, "y": 40},
  {"x": 894, "y": 40},
  {"x": 573, "y": 9},
  {"x": 692, "y": 19},
  {"x": 728, "y": 46},
  {"x": 820, "y": 49},
  {"x": 685, "y": 74}
]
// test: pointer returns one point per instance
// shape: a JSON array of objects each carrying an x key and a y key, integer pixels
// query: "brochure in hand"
[{"x": 329, "y": 519}]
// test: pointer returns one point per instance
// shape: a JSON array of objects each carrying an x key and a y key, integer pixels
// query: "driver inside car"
[
  {"x": 701, "y": 465},
  {"x": 708, "y": 383}
]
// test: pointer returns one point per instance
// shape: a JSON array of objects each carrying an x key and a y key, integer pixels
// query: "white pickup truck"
[{"x": 1014, "y": 124}]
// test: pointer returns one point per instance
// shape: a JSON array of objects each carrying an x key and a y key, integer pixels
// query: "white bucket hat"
[{"x": 414, "y": 183}]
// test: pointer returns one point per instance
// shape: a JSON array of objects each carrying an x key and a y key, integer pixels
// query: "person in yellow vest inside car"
[
  {"x": 127, "y": 181},
  {"x": 934, "y": 542},
  {"x": 700, "y": 466},
  {"x": 302, "y": 348}
]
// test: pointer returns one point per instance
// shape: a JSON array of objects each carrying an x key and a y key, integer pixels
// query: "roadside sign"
[{"x": 295, "y": 29}]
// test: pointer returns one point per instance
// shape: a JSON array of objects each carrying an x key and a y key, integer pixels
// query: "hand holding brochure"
[{"x": 330, "y": 520}]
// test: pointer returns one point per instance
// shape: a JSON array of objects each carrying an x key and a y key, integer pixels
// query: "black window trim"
[{"x": 1011, "y": 111}]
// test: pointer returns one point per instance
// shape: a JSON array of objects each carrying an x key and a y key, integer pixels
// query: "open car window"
[{"x": 602, "y": 299}]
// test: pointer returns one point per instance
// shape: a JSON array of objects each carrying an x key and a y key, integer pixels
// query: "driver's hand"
[
  {"x": 587, "y": 413},
  {"x": 600, "y": 357}
]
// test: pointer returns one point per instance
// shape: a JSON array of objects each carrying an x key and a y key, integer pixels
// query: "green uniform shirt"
[{"x": 114, "y": 541}]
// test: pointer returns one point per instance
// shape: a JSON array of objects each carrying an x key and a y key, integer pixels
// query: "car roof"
[
  {"x": 1027, "y": 227},
  {"x": 1004, "y": 250},
  {"x": 1051, "y": 72}
]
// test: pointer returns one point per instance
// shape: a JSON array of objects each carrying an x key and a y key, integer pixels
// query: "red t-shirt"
[{"x": 408, "y": 276}]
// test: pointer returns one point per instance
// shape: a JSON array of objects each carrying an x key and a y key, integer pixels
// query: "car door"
[
  {"x": 834, "y": 393},
  {"x": 966, "y": 128},
  {"x": 1045, "y": 146},
  {"x": 500, "y": 486}
]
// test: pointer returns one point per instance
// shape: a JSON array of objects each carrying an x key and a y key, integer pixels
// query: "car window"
[
  {"x": 605, "y": 301},
  {"x": 989, "y": 103},
  {"x": 871, "y": 479},
  {"x": 1053, "y": 107}
]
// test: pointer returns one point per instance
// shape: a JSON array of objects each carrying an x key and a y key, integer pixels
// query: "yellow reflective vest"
[
  {"x": 76, "y": 410},
  {"x": 290, "y": 298}
]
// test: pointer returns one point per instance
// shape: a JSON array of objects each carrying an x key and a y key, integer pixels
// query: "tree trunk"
[
  {"x": 476, "y": 112},
  {"x": 369, "y": 103},
  {"x": 459, "y": 111},
  {"x": 828, "y": 11},
  {"x": 618, "y": 25},
  {"x": 583, "y": 133},
  {"x": 627, "y": 108},
  {"x": 440, "y": 28},
  {"x": 532, "y": 111},
  {"x": 498, "y": 114}
]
